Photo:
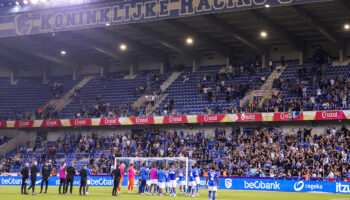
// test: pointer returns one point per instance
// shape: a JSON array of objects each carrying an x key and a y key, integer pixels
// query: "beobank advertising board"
[{"x": 224, "y": 183}]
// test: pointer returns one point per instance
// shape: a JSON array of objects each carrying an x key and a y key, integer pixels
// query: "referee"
[
  {"x": 25, "y": 177},
  {"x": 70, "y": 177},
  {"x": 33, "y": 176},
  {"x": 45, "y": 174},
  {"x": 116, "y": 177}
]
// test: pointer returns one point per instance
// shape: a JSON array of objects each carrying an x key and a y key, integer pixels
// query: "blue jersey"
[
  {"x": 167, "y": 178},
  {"x": 182, "y": 175},
  {"x": 148, "y": 175},
  {"x": 172, "y": 174},
  {"x": 190, "y": 175},
  {"x": 196, "y": 172},
  {"x": 88, "y": 171},
  {"x": 161, "y": 176},
  {"x": 143, "y": 173},
  {"x": 212, "y": 178}
]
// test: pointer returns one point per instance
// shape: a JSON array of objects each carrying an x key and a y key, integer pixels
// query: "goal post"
[{"x": 178, "y": 162}]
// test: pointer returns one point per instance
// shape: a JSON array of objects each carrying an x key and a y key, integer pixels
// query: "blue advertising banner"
[
  {"x": 123, "y": 12},
  {"x": 224, "y": 183}
]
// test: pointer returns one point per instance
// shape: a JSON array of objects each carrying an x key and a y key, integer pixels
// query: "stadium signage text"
[
  {"x": 225, "y": 183},
  {"x": 124, "y": 12}
]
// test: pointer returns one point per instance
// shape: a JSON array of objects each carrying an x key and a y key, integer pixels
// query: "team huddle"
[
  {"x": 165, "y": 180},
  {"x": 152, "y": 180}
]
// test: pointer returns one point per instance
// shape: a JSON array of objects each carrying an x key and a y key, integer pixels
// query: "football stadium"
[{"x": 175, "y": 99}]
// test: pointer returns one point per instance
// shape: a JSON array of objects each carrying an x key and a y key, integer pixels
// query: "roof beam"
[
  {"x": 41, "y": 53},
  {"x": 317, "y": 24},
  {"x": 223, "y": 49},
  {"x": 157, "y": 37},
  {"x": 228, "y": 28},
  {"x": 345, "y": 4},
  {"x": 133, "y": 45},
  {"x": 291, "y": 39},
  {"x": 82, "y": 40}
]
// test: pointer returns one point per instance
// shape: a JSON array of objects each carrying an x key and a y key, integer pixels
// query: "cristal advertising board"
[{"x": 224, "y": 183}]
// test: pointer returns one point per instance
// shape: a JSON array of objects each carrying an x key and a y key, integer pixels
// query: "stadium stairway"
[
  {"x": 21, "y": 138},
  {"x": 66, "y": 99},
  {"x": 267, "y": 86},
  {"x": 140, "y": 101}
]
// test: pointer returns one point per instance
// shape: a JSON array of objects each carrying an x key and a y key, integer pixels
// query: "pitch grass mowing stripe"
[{"x": 104, "y": 193}]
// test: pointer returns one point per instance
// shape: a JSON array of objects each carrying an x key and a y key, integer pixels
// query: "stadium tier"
[{"x": 175, "y": 98}]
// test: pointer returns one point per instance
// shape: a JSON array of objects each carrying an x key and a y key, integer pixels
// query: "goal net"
[{"x": 180, "y": 163}]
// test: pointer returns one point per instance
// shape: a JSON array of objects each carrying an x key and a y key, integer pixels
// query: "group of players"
[
  {"x": 66, "y": 175},
  {"x": 162, "y": 180}
]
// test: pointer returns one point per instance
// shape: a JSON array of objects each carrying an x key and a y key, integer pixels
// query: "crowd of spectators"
[{"x": 260, "y": 152}]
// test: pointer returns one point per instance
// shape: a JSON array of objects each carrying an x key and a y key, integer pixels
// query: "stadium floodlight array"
[{"x": 179, "y": 162}]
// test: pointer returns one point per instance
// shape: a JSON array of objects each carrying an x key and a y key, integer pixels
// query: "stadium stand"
[{"x": 276, "y": 153}]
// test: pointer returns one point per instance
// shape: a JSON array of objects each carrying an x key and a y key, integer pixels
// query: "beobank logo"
[
  {"x": 110, "y": 121},
  {"x": 208, "y": 118},
  {"x": 101, "y": 182},
  {"x": 260, "y": 185},
  {"x": 11, "y": 181},
  {"x": 327, "y": 115},
  {"x": 141, "y": 120}
]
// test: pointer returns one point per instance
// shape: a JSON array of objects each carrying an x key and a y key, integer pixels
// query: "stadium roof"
[{"x": 228, "y": 33}]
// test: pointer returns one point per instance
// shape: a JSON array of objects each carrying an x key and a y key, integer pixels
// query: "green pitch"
[{"x": 104, "y": 193}]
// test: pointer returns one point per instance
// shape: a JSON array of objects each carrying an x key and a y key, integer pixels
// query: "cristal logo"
[
  {"x": 298, "y": 186},
  {"x": 140, "y": 120},
  {"x": 79, "y": 122},
  {"x": 210, "y": 118},
  {"x": 51, "y": 123},
  {"x": 228, "y": 183},
  {"x": 342, "y": 188},
  {"x": 326, "y": 115},
  {"x": 23, "y": 123},
  {"x": 284, "y": 116},
  {"x": 111, "y": 121},
  {"x": 175, "y": 119},
  {"x": 248, "y": 117}
]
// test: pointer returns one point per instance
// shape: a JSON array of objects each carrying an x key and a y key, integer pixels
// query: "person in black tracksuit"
[
  {"x": 34, "y": 170},
  {"x": 45, "y": 174},
  {"x": 25, "y": 177},
  {"x": 83, "y": 179},
  {"x": 70, "y": 177},
  {"x": 116, "y": 175}
]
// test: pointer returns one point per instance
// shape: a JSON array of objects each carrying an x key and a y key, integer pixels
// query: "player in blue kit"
[
  {"x": 161, "y": 180},
  {"x": 212, "y": 182},
  {"x": 172, "y": 176},
  {"x": 191, "y": 183},
  {"x": 148, "y": 182},
  {"x": 167, "y": 181},
  {"x": 196, "y": 175},
  {"x": 88, "y": 170},
  {"x": 182, "y": 181}
]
